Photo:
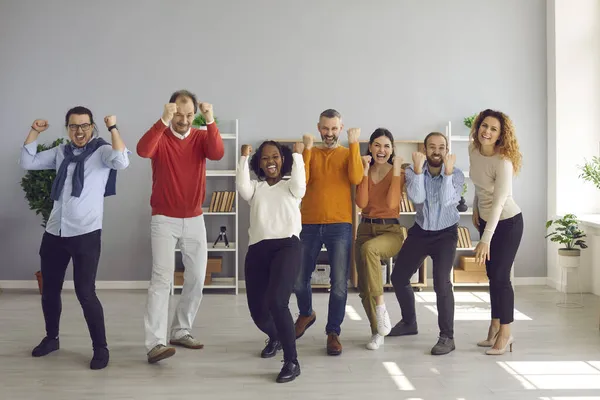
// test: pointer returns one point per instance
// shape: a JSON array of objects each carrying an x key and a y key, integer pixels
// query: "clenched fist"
[
  {"x": 110, "y": 120},
  {"x": 308, "y": 141},
  {"x": 353, "y": 134},
  {"x": 366, "y": 162},
  {"x": 397, "y": 165},
  {"x": 418, "y": 161},
  {"x": 246, "y": 150},
  {"x": 449, "y": 161},
  {"x": 39, "y": 125},
  {"x": 169, "y": 112},
  {"x": 207, "y": 111},
  {"x": 298, "y": 147}
]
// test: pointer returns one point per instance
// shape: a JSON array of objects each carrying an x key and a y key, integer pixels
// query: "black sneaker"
[
  {"x": 289, "y": 372},
  {"x": 271, "y": 348},
  {"x": 100, "y": 359},
  {"x": 46, "y": 346},
  {"x": 403, "y": 329},
  {"x": 443, "y": 346}
]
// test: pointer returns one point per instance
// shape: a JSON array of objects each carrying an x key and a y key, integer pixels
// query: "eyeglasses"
[{"x": 84, "y": 127}]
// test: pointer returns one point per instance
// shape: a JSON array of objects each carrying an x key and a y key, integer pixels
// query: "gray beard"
[{"x": 332, "y": 144}]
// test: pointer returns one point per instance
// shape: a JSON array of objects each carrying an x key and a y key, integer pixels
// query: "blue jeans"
[{"x": 338, "y": 241}]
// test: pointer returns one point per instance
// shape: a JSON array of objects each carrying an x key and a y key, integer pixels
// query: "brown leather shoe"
[
  {"x": 334, "y": 347},
  {"x": 303, "y": 323}
]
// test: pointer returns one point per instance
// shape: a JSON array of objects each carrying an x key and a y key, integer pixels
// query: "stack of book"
[{"x": 222, "y": 201}]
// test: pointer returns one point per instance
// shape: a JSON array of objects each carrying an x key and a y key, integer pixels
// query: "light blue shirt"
[
  {"x": 74, "y": 216},
  {"x": 435, "y": 197}
]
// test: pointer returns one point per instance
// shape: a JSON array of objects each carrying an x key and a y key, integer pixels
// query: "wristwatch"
[{"x": 110, "y": 128}]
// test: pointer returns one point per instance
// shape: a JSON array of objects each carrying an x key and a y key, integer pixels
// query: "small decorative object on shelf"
[
  {"x": 222, "y": 236},
  {"x": 462, "y": 206},
  {"x": 469, "y": 120}
]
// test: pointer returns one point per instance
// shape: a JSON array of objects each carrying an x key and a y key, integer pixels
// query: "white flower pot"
[
  {"x": 568, "y": 262},
  {"x": 569, "y": 258}
]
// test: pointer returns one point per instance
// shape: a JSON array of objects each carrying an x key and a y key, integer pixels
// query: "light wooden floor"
[{"x": 556, "y": 354}]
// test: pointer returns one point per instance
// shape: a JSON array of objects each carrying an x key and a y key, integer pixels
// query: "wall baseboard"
[
  {"x": 523, "y": 281},
  {"x": 143, "y": 285}
]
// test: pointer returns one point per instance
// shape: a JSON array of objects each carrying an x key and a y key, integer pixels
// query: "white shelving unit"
[
  {"x": 460, "y": 251},
  {"x": 223, "y": 282}
]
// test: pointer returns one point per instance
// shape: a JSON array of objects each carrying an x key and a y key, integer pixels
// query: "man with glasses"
[
  {"x": 85, "y": 174},
  {"x": 178, "y": 153}
]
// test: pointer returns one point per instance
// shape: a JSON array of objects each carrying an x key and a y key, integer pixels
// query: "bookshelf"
[
  {"x": 221, "y": 210},
  {"x": 464, "y": 273}
]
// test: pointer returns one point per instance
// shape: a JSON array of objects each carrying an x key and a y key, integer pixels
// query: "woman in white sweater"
[
  {"x": 274, "y": 250},
  {"x": 495, "y": 158}
]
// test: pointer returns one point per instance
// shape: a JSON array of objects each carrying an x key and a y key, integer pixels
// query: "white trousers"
[{"x": 166, "y": 233}]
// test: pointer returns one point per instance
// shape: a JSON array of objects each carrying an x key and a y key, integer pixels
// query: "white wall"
[
  {"x": 410, "y": 66},
  {"x": 573, "y": 38}
]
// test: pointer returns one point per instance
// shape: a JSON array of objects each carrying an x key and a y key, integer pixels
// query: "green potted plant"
[
  {"x": 37, "y": 186},
  {"x": 590, "y": 171},
  {"x": 468, "y": 121},
  {"x": 462, "y": 206},
  {"x": 199, "y": 121},
  {"x": 567, "y": 233}
]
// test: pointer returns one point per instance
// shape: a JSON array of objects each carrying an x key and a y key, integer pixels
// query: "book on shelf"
[
  {"x": 222, "y": 201},
  {"x": 464, "y": 238},
  {"x": 405, "y": 204}
]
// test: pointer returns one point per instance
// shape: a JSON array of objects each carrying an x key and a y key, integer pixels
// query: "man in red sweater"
[{"x": 178, "y": 153}]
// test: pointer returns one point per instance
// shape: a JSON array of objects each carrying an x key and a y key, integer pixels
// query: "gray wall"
[{"x": 409, "y": 66}]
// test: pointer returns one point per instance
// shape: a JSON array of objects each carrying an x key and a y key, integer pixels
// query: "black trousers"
[
  {"x": 56, "y": 252},
  {"x": 441, "y": 247},
  {"x": 271, "y": 269},
  {"x": 503, "y": 250}
]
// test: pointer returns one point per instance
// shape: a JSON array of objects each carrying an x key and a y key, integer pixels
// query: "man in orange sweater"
[
  {"x": 178, "y": 153},
  {"x": 331, "y": 170}
]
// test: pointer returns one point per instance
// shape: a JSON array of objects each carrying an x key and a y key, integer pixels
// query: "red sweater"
[{"x": 179, "y": 168}]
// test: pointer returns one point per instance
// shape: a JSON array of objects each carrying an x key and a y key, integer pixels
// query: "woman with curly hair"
[
  {"x": 495, "y": 158},
  {"x": 274, "y": 249}
]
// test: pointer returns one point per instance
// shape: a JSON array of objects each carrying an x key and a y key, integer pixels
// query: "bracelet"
[
  {"x": 35, "y": 129},
  {"x": 110, "y": 128}
]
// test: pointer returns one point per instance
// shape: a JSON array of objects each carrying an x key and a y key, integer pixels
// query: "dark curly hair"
[
  {"x": 284, "y": 151},
  {"x": 379, "y": 132}
]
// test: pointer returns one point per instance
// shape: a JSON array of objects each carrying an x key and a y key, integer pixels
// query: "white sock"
[{"x": 380, "y": 309}]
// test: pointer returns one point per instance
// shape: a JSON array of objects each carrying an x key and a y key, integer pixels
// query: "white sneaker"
[
  {"x": 376, "y": 341},
  {"x": 384, "y": 325}
]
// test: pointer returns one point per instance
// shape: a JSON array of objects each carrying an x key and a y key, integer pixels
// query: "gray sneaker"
[
  {"x": 187, "y": 341},
  {"x": 443, "y": 346},
  {"x": 160, "y": 352}
]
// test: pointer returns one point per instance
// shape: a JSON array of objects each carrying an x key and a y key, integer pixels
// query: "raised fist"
[
  {"x": 246, "y": 150},
  {"x": 298, "y": 147},
  {"x": 40, "y": 125},
  {"x": 418, "y": 161},
  {"x": 366, "y": 161},
  {"x": 308, "y": 141},
  {"x": 110, "y": 120},
  {"x": 449, "y": 161},
  {"x": 207, "y": 111},
  {"x": 170, "y": 110},
  {"x": 353, "y": 134},
  {"x": 397, "y": 163}
]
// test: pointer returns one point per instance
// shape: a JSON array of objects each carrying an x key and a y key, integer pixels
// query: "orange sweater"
[
  {"x": 330, "y": 174},
  {"x": 381, "y": 199}
]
